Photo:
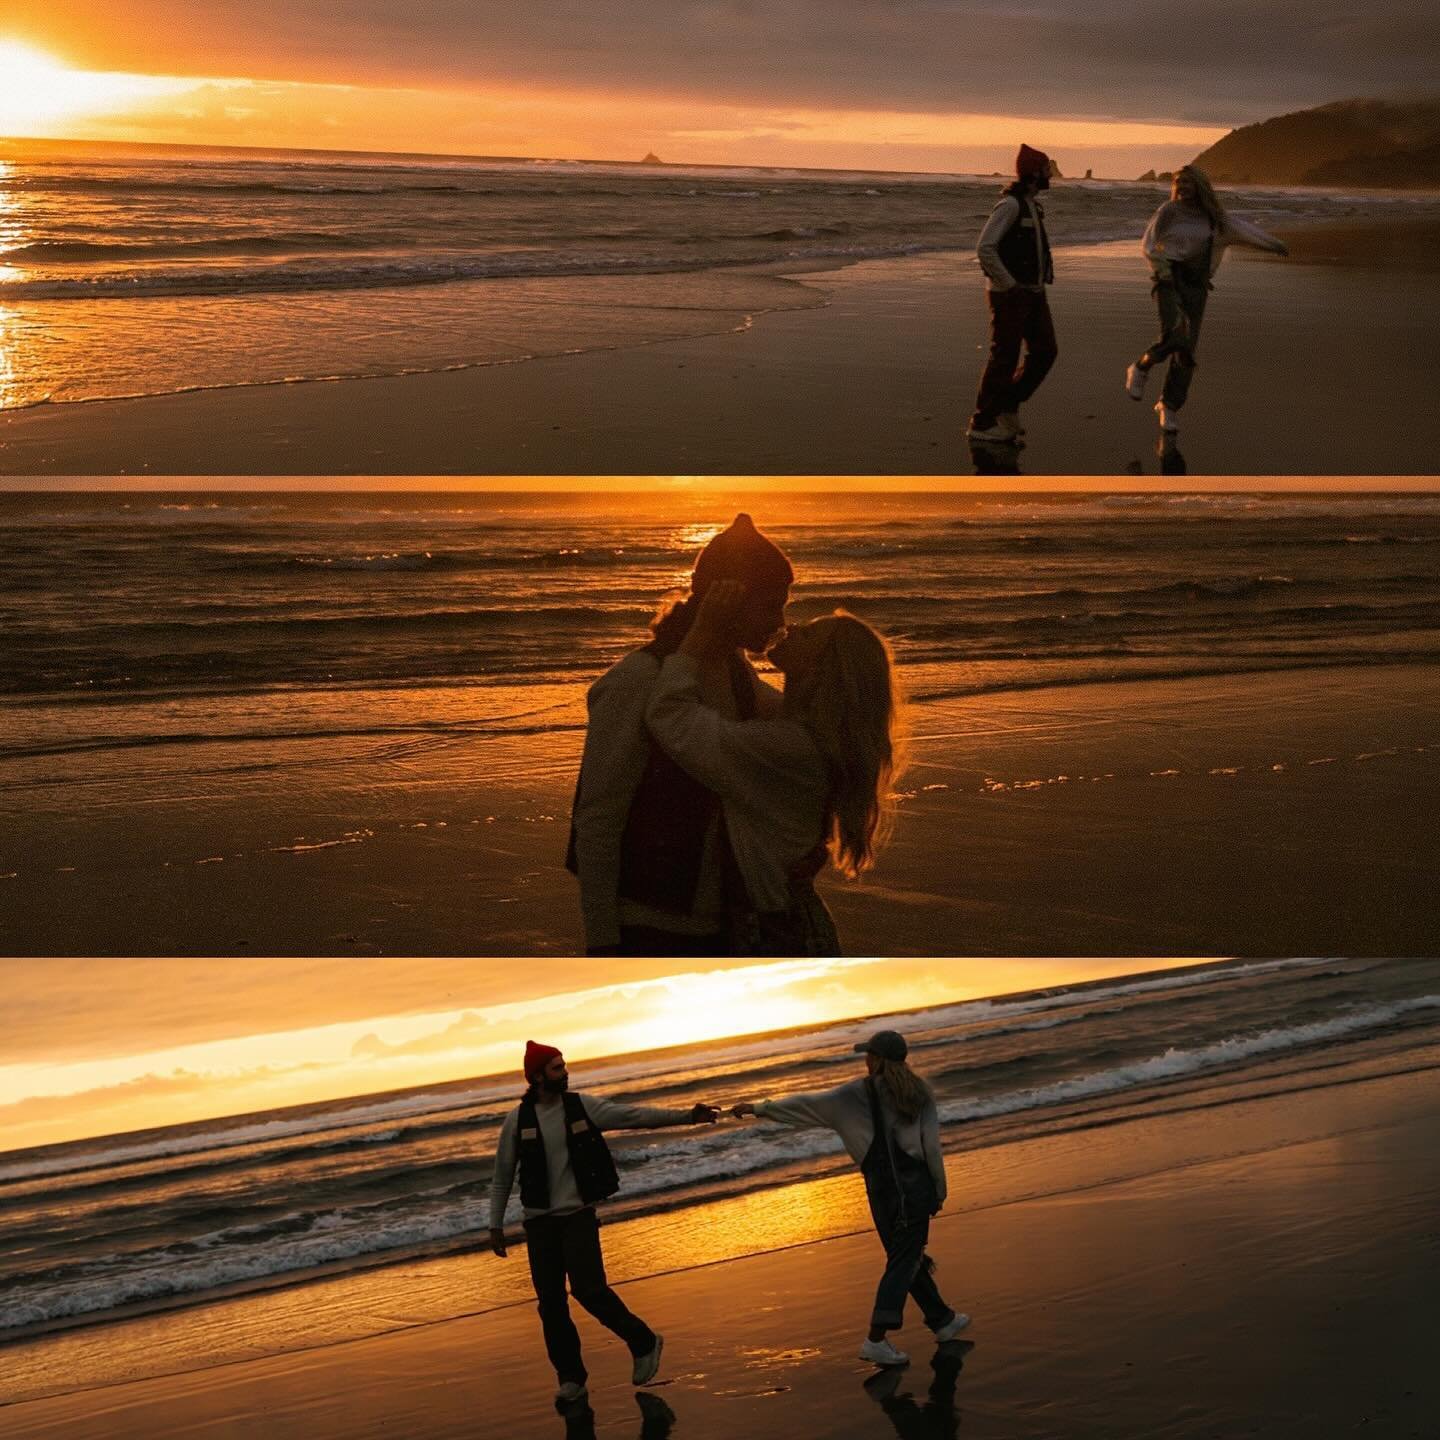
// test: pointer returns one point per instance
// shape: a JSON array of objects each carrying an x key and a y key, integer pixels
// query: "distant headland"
[{"x": 1351, "y": 143}]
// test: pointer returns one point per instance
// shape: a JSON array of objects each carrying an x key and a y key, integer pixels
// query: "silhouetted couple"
[
  {"x": 1184, "y": 244},
  {"x": 708, "y": 801},
  {"x": 554, "y": 1140}
]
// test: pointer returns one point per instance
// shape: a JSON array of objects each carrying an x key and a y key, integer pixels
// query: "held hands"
[
  {"x": 714, "y": 625},
  {"x": 704, "y": 1114},
  {"x": 743, "y": 1111}
]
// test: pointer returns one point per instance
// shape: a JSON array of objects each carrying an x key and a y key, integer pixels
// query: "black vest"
[
  {"x": 590, "y": 1159},
  {"x": 1018, "y": 252},
  {"x": 663, "y": 843}
]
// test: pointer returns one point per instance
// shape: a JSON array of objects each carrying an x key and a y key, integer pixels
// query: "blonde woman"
[
  {"x": 890, "y": 1126},
  {"x": 811, "y": 784},
  {"x": 1184, "y": 243}
]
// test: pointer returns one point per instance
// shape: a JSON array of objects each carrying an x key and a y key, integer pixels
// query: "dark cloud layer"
[{"x": 1214, "y": 62}]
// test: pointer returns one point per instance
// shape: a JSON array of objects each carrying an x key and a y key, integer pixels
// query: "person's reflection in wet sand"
[
  {"x": 994, "y": 459},
  {"x": 1172, "y": 462},
  {"x": 657, "y": 1419},
  {"x": 935, "y": 1419}
]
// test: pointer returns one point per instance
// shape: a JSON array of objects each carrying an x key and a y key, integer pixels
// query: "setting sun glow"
[{"x": 38, "y": 92}]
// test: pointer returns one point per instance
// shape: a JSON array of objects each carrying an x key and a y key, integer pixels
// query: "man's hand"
[
  {"x": 742, "y": 1110},
  {"x": 497, "y": 1242},
  {"x": 704, "y": 1114}
]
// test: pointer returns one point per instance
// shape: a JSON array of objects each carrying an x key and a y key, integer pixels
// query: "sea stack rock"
[
  {"x": 1089, "y": 174},
  {"x": 652, "y": 158},
  {"x": 1149, "y": 177}
]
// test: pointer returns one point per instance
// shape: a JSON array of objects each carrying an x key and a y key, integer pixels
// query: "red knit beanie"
[
  {"x": 537, "y": 1057},
  {"x": 1031, "y": 162},
  {"x": 742, "y": 553}
]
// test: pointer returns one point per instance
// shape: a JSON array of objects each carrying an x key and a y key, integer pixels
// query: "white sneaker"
[
  {"x": 995, "y": 435},
  {"x": 951, "y": 1328},
  {"x": 648, "y": 1364},
  {"x": 570, "y": 1392},
  {"x": 1010, "y": 421},
  {"x": 1169, "y": 420},
  {"x": 882, "y": 1352},
  {"x": 1135, "y": 378}
]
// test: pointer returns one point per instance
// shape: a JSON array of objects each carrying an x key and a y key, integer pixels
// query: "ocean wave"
[
  {"x": 1176, "y": 1064},
  {"x": 68, "y": 252},
  {"x": 317, "y": 1239},
  {"x": 626, "y": 1071},
  {"x": 402, "y": 273},
  {"x": 224, "y": 1136}
]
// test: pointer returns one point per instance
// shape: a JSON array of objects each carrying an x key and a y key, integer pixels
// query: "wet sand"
[
  {"x": 1261, "y": 1267},
  {"x": 1315, "y": 368},
  {"x": 1269, "y": 814}
]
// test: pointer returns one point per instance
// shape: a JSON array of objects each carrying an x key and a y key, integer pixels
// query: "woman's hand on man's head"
[{"x": 715, "y": 622}]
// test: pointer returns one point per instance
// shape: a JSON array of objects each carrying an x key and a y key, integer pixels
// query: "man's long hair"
[
  {"x": 849, "y": 704},
  {"x": 907, "y": 1092}
]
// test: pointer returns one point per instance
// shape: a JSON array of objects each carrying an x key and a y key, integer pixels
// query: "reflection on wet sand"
[
  {"x": 935, "y": 1417},
  {"x": 657, "y": 1419}
]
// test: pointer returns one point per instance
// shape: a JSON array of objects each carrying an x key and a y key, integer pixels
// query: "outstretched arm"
[
  {"x": 1242, "y": 232},
  {"x": 614, "y": 1115},
  {"x": 797, "y": 1112}
]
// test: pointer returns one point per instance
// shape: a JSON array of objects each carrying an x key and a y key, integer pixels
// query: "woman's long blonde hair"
[
  {"x": 1205, "y": 196},
  {"x": 849, "y": 703},
  {"x": 908, "y": 1093}
]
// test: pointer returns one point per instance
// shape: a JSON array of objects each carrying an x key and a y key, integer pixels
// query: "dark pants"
[
  {"x": 651, "y": 942},
  {"x": 908, "y": 1269},
  {"x": 1181, "y": 302},
  {"x": 1017, "y": 316},
  {"x": 564, "y": 1247}
]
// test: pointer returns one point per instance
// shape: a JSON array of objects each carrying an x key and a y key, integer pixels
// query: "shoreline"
[
  {"x": 1414, "y": 244},
  {"x": 764, "y": 399},
  {"x": 1234, "y": 1184}
]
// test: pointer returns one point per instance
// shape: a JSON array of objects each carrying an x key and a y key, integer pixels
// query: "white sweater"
[
  {"x": 1179, "y": 234},
  {"x": 616, "y": 747},
  {"x": 564, "y": 1192},
  {"x": 846, "y": 1110},
  {"x": 768, "y": 774}
]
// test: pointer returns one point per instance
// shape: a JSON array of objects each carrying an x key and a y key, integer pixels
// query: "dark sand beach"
[
  {"x": 1315, "y": 368},
  {"x": 1251, "y": 1260},
  {"x": 1263, "y": 814}
]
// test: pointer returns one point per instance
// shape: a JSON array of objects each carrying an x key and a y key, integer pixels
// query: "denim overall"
[{"x": 902, "y": 1198}]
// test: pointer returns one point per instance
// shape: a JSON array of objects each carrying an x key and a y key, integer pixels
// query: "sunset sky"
[
  {"x": 929, "y": 85},
  {"x": 103, "y": 1046},
  {"x": 708, "y": 487}
]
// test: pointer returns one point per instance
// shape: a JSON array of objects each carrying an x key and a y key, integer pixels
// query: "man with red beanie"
[
  {"x": 554, "y": 1138},
  {"x": 647, "y": 841},
  {"x": 1014, "y": 253}
]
